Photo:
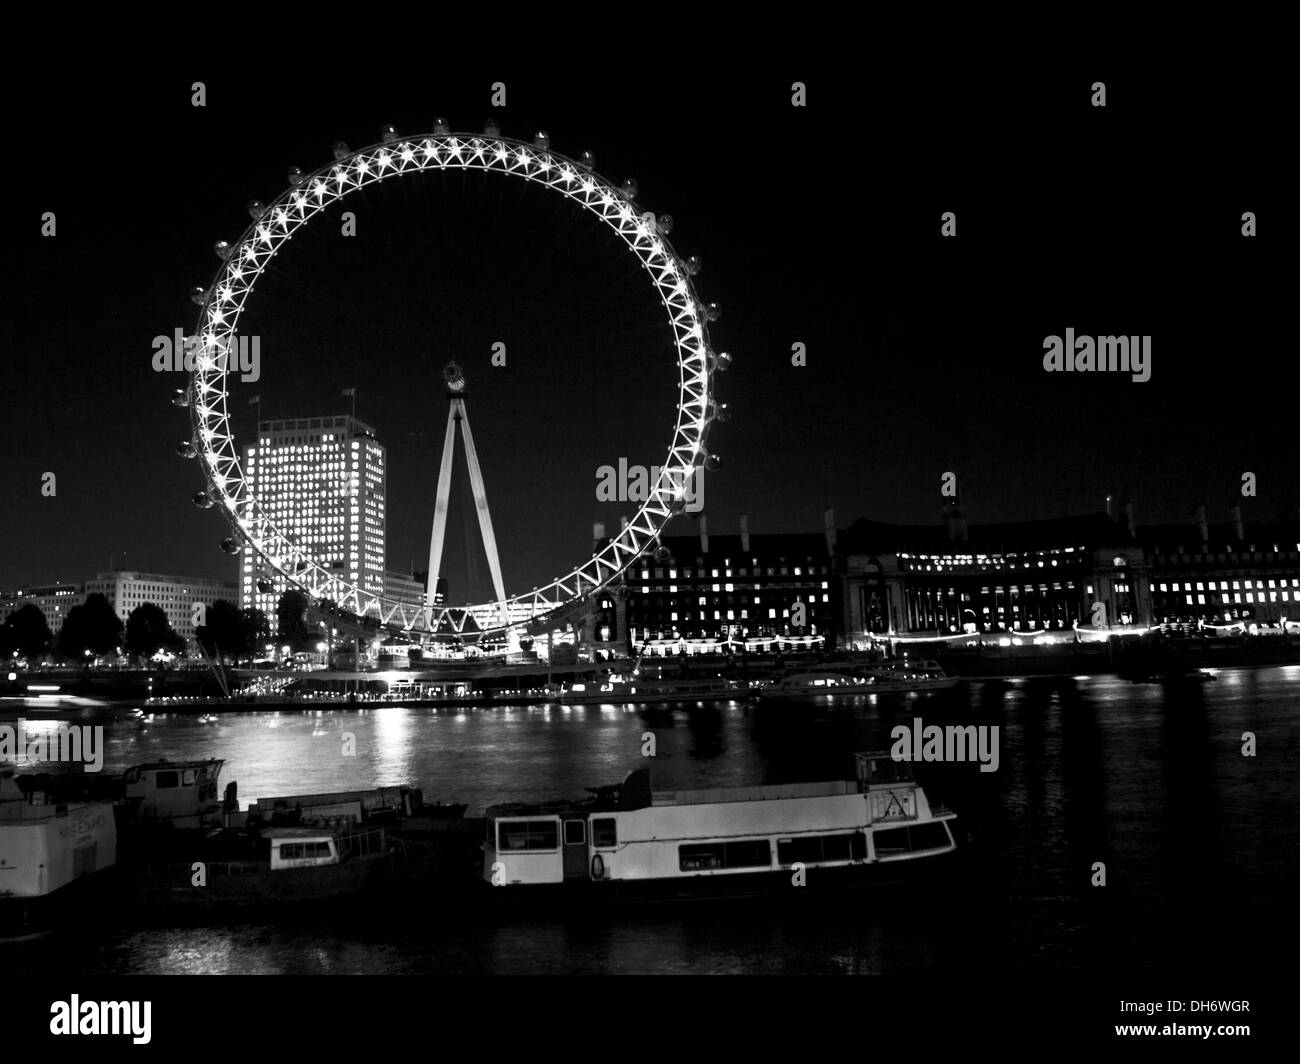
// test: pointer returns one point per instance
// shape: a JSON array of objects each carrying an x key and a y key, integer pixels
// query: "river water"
[{"x": 1198, "y": 842}]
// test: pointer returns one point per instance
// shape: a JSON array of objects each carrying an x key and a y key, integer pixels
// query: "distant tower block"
[{"x": 454, "y": 378}]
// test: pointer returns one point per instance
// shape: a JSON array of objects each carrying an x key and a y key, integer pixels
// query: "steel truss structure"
[{"x": 308, "y": 195}]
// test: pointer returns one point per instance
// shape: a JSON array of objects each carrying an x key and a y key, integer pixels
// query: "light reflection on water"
[{"x": 1197, "y": 840}]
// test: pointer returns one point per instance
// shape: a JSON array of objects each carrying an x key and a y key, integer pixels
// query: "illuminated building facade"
[
  {"x": 53, "y": 600},
  {"x": 320, "y": 481},
  {"x": 1225, "y": 574},
  {"x": 713, "y": 589},
  {"x": 174, "y": 595},
  {"x": 1033, "y": 576},
  {"x": 409, "y": 588}
]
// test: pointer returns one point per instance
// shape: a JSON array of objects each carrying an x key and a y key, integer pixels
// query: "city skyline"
[{"x": 901, "y": 385}]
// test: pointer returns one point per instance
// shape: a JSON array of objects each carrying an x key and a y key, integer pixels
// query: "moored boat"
[
  {"x": 267, "y": 867},
  {"x": 834, "y": 681},
  {"x": 617, "y": 691},
  {"x": 52, "y": 854},
  {"x": 630, "y": 842}
]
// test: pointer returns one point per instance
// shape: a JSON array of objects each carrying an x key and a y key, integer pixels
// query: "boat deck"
[{"x": 763, "y": 793}]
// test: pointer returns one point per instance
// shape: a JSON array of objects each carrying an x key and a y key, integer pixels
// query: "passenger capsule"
[
  {"x": 542, "y": 140},
  {"x": 440, "y": 127},
  {"x": 721, "y": 412},
  {"x": 628, "y": 188},
  {"x": 223, "y": 249},
  {"x": 198, "y": 295},
  {"x": 665, "y": 224},
  {"x": 180, "y": 397},
  {"x": 202, "y": 500},
  {"x": 587, "y": 160},
  {"x": 389, "y": 134},
  {"x": 712, "y": 311},
  {"x": 694, "y": 265},
  {"x": 256, "y": 208},
  {"x": 265, "y": 586},
  {"x": 491, "y": 128},
  {"x": 663, "y": 554},
  {"x": 186, "y": 449},
  {"x": 230, "y": 546},
  {"x": 712, "y": 462},
  {"x": 341, "y": 150},
  {"x": 722, "y": 362},
  {"x": 296, "y": 177}
]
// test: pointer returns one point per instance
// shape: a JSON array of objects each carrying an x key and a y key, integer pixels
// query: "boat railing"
[{"x": 361, "y": 843}]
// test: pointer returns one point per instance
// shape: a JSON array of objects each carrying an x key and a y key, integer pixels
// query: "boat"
[
  {"x": 632, "y": 843},
  {"x": 619, "y": 691},
  {"x": 181, "y": 795},
  {"x": 274, "y": 865},
  {"x": 53, "y": 857},
  {"x": 854, "y": 680}
]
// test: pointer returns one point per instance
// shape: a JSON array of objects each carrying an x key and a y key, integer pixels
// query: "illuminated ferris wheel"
[{"x": 274, "y": 224}]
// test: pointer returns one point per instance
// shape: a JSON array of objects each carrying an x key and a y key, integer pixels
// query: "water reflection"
[{"x": 1148, "y": 779}]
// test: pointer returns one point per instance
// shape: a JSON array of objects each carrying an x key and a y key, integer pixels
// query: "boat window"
[
  {"x": 575, "y": 832},
  {"x": 165, "y": 780},
  {"x": 604, "y": 832},
  {"x": 911, "y": 839},
  {"x": 527, "y": 835},
  {"x": 750, "y": 853},
  {"x": 816, "y": 849},
  {"x": 188, "y": 776},
  {"x": 301, "y": 851}
]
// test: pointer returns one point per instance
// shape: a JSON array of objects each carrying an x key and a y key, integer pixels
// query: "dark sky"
[{"x": 817, "y": 225}]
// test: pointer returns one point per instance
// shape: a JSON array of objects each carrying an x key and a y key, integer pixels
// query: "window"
[
  {"x": 166, "y": 780},
  {"x": 527, "y": 835},
  {"x": 604, "y": 832},
  {"x": 895, "y": 841},
  {"x": 751, "y": 853},
  {"x": 575, "y": 832},
  {"x": 303, "y": 851},
  {"x": 816, "y": 849}
]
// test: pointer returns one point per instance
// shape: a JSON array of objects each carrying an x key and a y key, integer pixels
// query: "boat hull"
[
  {"x": 773, "y": 884},
  {"x": 245, "y": 884}
]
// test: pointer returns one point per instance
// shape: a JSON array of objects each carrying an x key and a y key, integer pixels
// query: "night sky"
[{"x": 816, "y": 225}]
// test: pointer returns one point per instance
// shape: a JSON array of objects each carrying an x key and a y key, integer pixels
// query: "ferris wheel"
[{"x": 274, "y": 224}]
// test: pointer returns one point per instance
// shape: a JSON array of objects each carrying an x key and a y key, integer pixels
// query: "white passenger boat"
[
  {"x": 616, "y": 691},
  {"x": 51, "y": 855},
  {"x": 850, "y": 680},
  {"x": 629, "y": 842}
]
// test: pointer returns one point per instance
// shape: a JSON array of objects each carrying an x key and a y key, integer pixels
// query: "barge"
[{"x": 632, "y": 843}]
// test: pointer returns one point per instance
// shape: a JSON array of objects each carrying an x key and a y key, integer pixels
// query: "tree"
[
  {"x": 225, "y": 634},
  {"x": 257, "y": 632},
  {"x": 148, "y": 630},
  {"x": 291, "y": 616},
  {"x": 25, "y": 631},
  {"x": 92, "y": 626}
]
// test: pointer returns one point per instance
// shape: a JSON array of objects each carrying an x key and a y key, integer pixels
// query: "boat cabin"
[
  {"x": 301, "y": 848},
  {"x": 180, "y": 793}
]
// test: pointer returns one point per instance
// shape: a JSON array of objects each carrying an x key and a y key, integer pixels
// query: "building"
[
  {"x": 1223, "y": 574},
  {"x": 1029, "y": 576},
  {"x": 321, "y": 481},
  {"x": 176, "y": 596},
  {"x": 704, "y": 591},
  {"x": 408, "y": 588},
  {"x": 53, "y": 600}
]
